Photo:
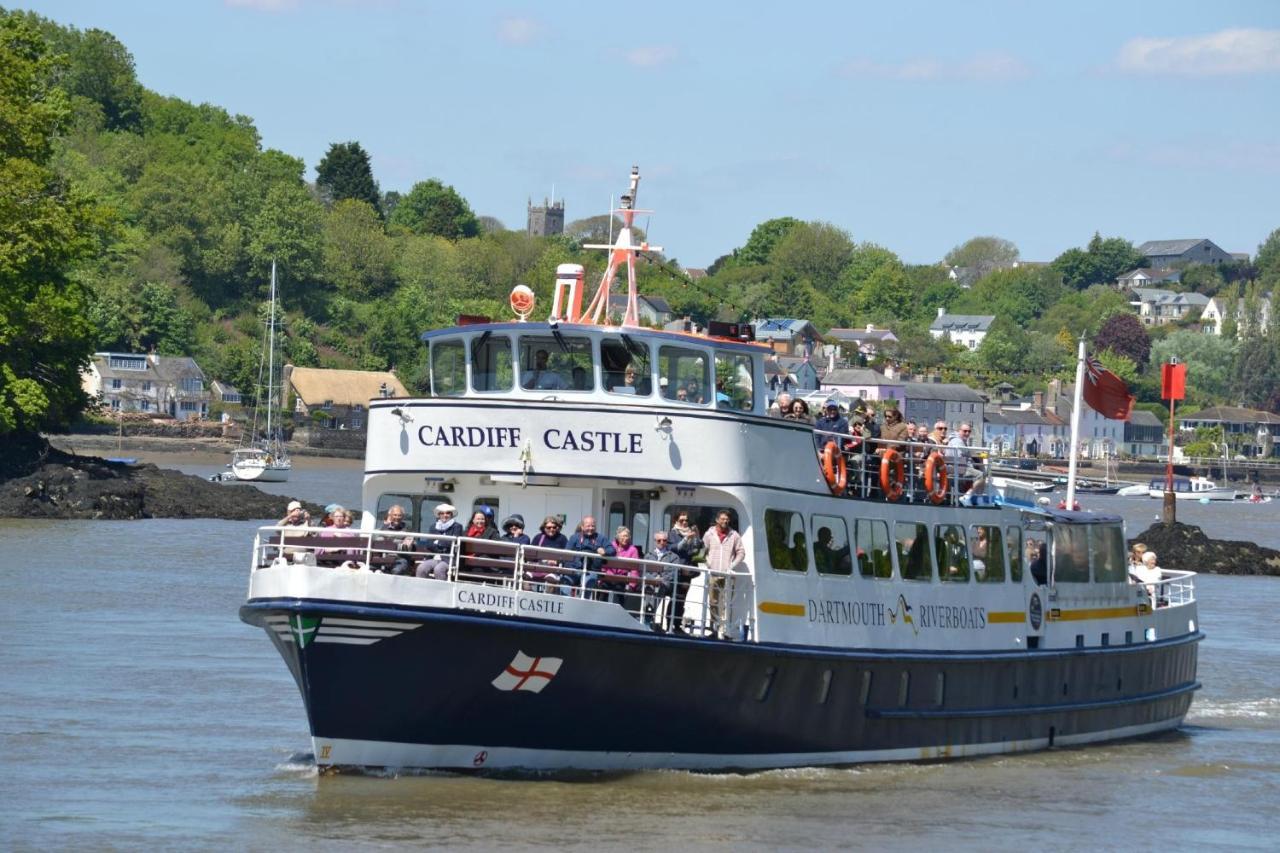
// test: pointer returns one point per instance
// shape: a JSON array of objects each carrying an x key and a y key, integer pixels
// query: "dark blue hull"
[{"x": 450, "y": 689}]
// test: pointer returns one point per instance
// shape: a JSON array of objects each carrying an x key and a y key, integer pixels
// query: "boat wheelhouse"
[{"x": 884, "y": 604}]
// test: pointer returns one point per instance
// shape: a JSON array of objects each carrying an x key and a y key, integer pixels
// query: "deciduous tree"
[
  {"x": 1125, "y": 335},
  {"x": 433, "y": 208},
  {"x": 980, "y": 256},
  {"x": 764, "y": 237}
]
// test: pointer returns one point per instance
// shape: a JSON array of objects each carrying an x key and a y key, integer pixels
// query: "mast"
[
  {"x": 271, "y": 354},
  {"x": 622, "y": 251},
  {"x": 1075, "y": 426}
]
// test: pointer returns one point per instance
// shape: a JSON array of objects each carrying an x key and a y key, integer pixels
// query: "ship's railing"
[
  {"x": 1173, "y": 589},
  {"x": 663, "y": 595},
  {"x": 915, "y": 465}
]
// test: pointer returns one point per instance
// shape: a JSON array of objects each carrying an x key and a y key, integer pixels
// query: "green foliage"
[
  {"x": 764, "y": 238},
  {"x": 812, "y": 251},
  {"x": 433, "y": 208},
  {"x": 358, "y": 257},
  {"x": 980, "y": 256},
  {"x": 1120, "y": 365},
  {"x": 345, "y": 173},
  {"x": 1267, "y": 261},
  {"x": 1210, "y": 361},
  {"x": 1021, "y": 294},
  {"x": 1004, "y": 347},
  {"x": 1202, "y": 278},
  {"x": 1101, "y": 262},
  {"x": 1125, "y": 335},
  {"x": 1082, "y": 313}
]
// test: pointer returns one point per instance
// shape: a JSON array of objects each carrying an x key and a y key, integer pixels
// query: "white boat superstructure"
[{"x": 1191, "y": 489}]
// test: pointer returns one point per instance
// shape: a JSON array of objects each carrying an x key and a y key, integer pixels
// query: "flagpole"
[{"x": 1075, "y": 426}]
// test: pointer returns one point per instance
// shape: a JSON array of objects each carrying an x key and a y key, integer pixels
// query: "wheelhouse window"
[
  {"x": 556, "y": 363},
  {"x": 1106, "y": 553},
  {"x": 1070, "y": 553},
  {"x": 987, "y": 553},
  {"x": 831, "y": 545},
  {"x": 913, "y": 551},
  {"x": 625, "y": 367},
  {"x": 683, "y": 374},
  {"x": 873, "y": 548},
  {"x": 492, "y": 367},
  {"x": 784, "y": 534},
  {"x": 448, "y": 368},
  {"x": 734, "y": 382},
  {"x": 952, "y": 554}
]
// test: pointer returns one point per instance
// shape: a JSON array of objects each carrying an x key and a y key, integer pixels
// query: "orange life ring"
[
  {"x": 935, "y": 477},
  {"x": 834, "y": 468},
  {"x": 891, "y": 475}
]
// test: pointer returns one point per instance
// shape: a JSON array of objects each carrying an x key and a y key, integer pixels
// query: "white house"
[
  {"x": 1157, "y": 307},
  {"x": 142, "y": 382},
  {"x": 866, "y": 342},
  {"x": 863, "y": 384},
  {"x": 967, "y": 330}
]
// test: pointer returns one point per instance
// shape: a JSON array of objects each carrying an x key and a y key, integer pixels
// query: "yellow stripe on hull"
[{"x": 781, "y": 608}]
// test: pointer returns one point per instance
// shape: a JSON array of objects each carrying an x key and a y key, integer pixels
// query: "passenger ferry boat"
[
  {"x": 1191, "y": 489},
  {"x": 877, "y": 611}
]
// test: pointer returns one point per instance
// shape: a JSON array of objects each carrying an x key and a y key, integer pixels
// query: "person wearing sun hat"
[
  {"x": 513, "y": 529},
  {"x": 295, "y": 516},
  {"x": 437, "y": 560}
]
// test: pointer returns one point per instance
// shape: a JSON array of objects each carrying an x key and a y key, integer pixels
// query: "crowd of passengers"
[
  {"x": 593, "y": 574},
  {"x": 869, "y": 439}
]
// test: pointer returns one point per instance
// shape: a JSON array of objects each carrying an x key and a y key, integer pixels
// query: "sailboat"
[{"x": 265, "y": 459}]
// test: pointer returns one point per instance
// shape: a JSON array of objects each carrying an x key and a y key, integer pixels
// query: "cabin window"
[
  {"x": 701, "y": 517},
  {"x": 683, "y": 374},
  {"x": 952, "y": 555},
  {"x": 556, "y": 363},
  {"x": 1014, "y": 549},
  {"x": 784, "y": 533},
  {"x": 1107, "y": 553},
  {"x": 831, "y": 545},
  {"x": 1070, "y": 553},
  {"x": 873, "y": 548},
  {"x": 448, "y": 369},
  {"x": 491, "y": 364},
  {"x": 986, "y": 550},
  {"x": 734, "y": 382},
  {"x": 913, "y": 551},
  {"x": 625, "y": 367}
]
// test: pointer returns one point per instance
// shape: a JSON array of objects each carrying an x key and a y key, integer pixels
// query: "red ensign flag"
[{"x": 1106, "y": 393}]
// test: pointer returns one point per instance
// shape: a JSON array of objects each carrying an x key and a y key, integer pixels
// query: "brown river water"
[{"x": 137, "y": 711}]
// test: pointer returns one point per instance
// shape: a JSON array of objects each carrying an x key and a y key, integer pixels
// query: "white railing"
[
  {"x": 1173, "y": 589},
  {"x": 666, "y": 596},
  {"x": 864, "y": 458}
]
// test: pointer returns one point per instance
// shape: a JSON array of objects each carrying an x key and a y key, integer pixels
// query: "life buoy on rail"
[
  {"x": 891, "y": 475},
  {"x": 834, "y": 468},
  {"x": 935, "y": 477}
]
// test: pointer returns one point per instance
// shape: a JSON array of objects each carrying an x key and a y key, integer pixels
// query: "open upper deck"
[{"x": 597, "y": 364}]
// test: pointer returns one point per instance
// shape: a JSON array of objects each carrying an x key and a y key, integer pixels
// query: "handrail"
[
  {"x": 864, "y": 479},
  {"x": 530, "y": 568}
]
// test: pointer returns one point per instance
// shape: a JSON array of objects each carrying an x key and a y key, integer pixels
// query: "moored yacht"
[{"x": 883, "y": 604}]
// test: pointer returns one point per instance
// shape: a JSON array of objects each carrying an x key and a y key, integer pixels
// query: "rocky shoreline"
[
  {"x": 1185, "y": 547},
  {"x": 67, "y": 486}
]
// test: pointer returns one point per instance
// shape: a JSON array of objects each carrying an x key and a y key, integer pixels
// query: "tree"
[
  {"x": 345, "y": 173},
  {"x": 1210, "y": 362},
  {"x": 1125, "y": 335},
  {"x": 358, "y": 256},
  {"x": 286, "y": 230},
  {"x": 1020, "y": 294},
  {"x": 764, "y": 237},
  {"x": 816, "y": 251},
  {"x": 102, "y": 70},
  {"x": 979, "y": 256},
  {"x": 864, "y": 259},
  {"x": 45, "y": 226},
  {"x": 1101, "y": 262},
  {"x": 1206, "y": 279},
  {"x": 1267, "y": 260},
  {"x": 1004, "y": 347},
  {"x": 433, "y": 208}
]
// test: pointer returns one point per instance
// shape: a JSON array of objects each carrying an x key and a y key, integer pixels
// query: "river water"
[{"x": 138, "y": 711}]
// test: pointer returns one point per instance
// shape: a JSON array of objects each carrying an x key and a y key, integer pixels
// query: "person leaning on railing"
[{"x": 1148, "y": 574}]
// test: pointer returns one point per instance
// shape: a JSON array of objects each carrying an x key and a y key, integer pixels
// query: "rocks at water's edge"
[
  {"x": 67, "y": 486},
  {"x": 1184, "y": 547}
]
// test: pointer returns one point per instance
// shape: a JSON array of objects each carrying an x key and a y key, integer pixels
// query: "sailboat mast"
[{"x": 271, "y": 354}]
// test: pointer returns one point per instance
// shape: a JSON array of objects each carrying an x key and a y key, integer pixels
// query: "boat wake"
[{"x": 1248, "y": 709}]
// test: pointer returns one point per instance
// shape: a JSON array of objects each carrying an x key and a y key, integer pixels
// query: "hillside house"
[
  {"x": 1147, "y": 277},
  {"x": 860, "y": 383},
  {"x": 338, "y": 399},
  {"x": 787, "y": 336},
  {"x": 967, "y": 330},
  {"x": 866, "y": 343},
  {"x": 1163, "y": 254},
  {"x": 929, "y": 402},
  {"x": 146, "y": 382},
  {"x": 653, "y": 310},
  {"x": 1157, "y": 307}
]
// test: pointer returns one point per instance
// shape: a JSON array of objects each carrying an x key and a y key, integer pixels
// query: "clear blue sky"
[{"x": 913, "y": 125}]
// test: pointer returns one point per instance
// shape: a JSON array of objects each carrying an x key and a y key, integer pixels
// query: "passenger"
[
  {"x": 894, "y": 429},
  {"x": 684, "y": 539},
  {"x": 542, "y": 377},
  {"x": 979, "y": 549},
  {"x": 800, "y": 412},
  {"x": 827, "y": 559},
  {"x": 295, "y": 516},
  {"x": 939, "y": 434},
  {"x": 579, "y": 378},
  {"x": 341, "y": 526},
  {"x": 628, "y": 385},
  {"x": 682, "y": 395},
  {"x": 694, "y": 392},
  {"x": 1149, "y": 575},
  {"x": 513, "y": 529},
  {"x": 548, "y": 536},
  {"x": 1037, "y": 561},
  {"x": 781, "y": 405},
  {"x": 327, "y": 519},
  {"x": 1135, "y": 555},
  {"x": 963, "y": 468},
  {"x": 869, "y": 421},
  {"x": 481, "y": 527},
  {"x": 394, "y": 521},
  {"x": 624, "y": 547},
  {"x": 589, "y": 541},
  {"x": 722, "y": 399},
  {"x": 724, "y": 552},
  {"x": 436, "y": 563},
  {"x": 663, "y": 553},
  {"x": 831, "y": 421}
]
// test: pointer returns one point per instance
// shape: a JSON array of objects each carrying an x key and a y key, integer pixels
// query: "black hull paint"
[{"x": 621, "y": 692}]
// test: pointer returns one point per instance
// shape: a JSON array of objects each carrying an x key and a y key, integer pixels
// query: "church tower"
[{"x": 546, "y": 220}]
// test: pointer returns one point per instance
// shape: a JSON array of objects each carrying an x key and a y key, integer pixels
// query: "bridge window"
[
  {"x": 986, "y": 549},
  {"x": 734, "y": 382},
  {"x": 873, "y": 548},
  {"x": 1107, "y": 553},
  {"x": 784, "y": 534},
  {"x": 1070, "y": 553},
  {"x": 683, "y": 374},
  {"x": 491, "y": 364},
  {"x": 556, "y": 363},
  {"x": 831, "y": 545},
  {"x": 1014, "y": 545},
  {"x": 448, "y": 369},
  {"x": 913, "y": 551},
  {"x": 952, "y": 555},
  {"x": 624, "y": 365}
]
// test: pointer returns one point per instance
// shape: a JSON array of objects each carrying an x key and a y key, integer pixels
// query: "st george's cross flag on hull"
[{"x": 1106, "y": 393}]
